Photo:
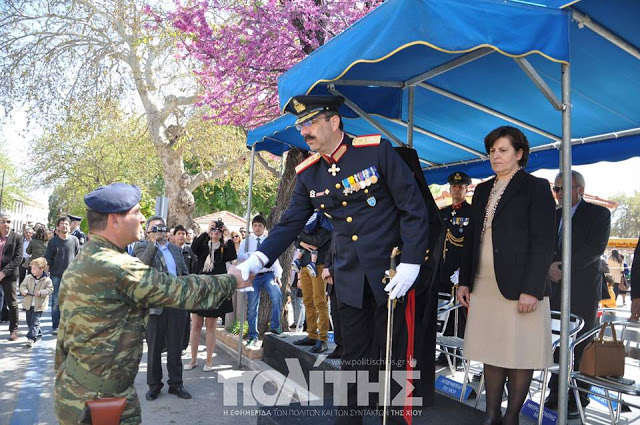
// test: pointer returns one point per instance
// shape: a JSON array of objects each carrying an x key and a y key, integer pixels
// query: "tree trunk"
[
  {"x": 176, "y": 186},
  {"x": 285, "y": 190}
]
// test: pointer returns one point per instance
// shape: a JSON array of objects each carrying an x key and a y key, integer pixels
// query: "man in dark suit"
[
  {"x": 11, "y": 252},
  {"x": 375, "y": 204},
  {"x": 591, "y": 225},
  {"x": 165, "y": 324}
]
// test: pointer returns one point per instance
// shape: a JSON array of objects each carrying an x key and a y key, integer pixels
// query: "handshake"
[{"x": 242, "y": 285}]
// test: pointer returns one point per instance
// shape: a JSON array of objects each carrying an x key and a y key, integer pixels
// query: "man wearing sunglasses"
[
  {"x": 590, "y": 232},
  {"x": 374, "y": 204}
]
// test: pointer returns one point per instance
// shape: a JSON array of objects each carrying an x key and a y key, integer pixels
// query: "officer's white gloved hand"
[
  {"x": 455, "y": 277},
  {"x": 253, "y": 264},
  {"x": 406, "y": 275}
]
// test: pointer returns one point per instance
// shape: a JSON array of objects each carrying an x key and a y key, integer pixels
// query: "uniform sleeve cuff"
[{"x": 262, "y": 257}]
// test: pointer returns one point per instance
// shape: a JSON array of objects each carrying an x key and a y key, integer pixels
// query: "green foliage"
[
  {"x": 84, "y": 153},
  {"x": 625, "y": 220},
  {"x": 234, "y": 328}
]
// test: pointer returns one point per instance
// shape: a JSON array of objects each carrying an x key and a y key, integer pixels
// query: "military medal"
[
  {"x": 375, "y": 176},
  {"x": 367, "y": 177},
  {"x": 352, "y": 183},
  {"x": 371, "y": 201},
  {"x": 312, "y": 194},
  {"x": 334, "y": 170},
  {"x": 361, "y": 181}
]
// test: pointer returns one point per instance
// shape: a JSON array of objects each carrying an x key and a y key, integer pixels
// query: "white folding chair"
[
  {"x": 629, "y": 333},
  {"x": 576, "y": 323}
]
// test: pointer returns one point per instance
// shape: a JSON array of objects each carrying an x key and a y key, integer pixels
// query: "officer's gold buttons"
[
  {"x": 337, "y": 185},
  {"x": 349, "y": 219},
  {"x": 321, "y": 205},
  {"x": 354, "y": 238},
  {"x": 344, "y": 203},
  {"x": 366, "y": 191}
]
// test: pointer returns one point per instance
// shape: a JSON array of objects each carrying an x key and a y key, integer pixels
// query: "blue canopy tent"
[{"x": 438, "y": 75}]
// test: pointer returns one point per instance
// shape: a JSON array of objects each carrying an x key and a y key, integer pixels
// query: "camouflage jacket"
[{"x": 104, "y": 298}]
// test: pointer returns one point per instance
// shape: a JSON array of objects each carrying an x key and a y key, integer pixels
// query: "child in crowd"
[
  {"x": 35, "y": 288},
  {"x": 316, "y": 223}
]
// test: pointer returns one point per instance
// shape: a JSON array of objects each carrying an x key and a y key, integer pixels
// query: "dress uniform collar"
[
  {"x": 458, "y": 206},
  {"x": 337, "y": 153}
]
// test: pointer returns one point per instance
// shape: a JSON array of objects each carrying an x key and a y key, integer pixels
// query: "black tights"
[{"x": 518, "y": 386}]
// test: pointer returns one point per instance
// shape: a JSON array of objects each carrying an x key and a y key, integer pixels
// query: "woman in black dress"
[{"x": 213, "y": 254}]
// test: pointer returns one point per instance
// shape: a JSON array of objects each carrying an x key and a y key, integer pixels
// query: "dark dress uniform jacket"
[
  {"x": 11, "y": 256},
  {"x": 523, "y": 232},
  {"x": 591, "y": 225},
  {"x": 458, "y": 225},
  {"x": 364, "y": 231}
]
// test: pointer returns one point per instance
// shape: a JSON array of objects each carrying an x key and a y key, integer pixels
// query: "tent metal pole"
[
  {"x": 410, "y": 116},
  {"x": 242, "y": 296},
  {"x": 539, "y": 82},
  {"x": 443, "y": 139},
  {"x": 489, "y": 111},
  {"x": 584, "y": 20},
  {"x": 446, "y": 67},
  {"x": 355, "y": 108},
  {"x": 367, "y": 83},
  {"x": 565, "y": 303}
]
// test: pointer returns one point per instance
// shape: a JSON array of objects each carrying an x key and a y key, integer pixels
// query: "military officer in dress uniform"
[
  {"x": 455, "y": 218},
  {"x": 374, "y": 203},
  {"x": 105, "y": 295},
  {"x": 74, "y": 223}
]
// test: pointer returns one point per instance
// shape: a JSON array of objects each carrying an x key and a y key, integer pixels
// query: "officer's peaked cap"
[
  {"x": 459, "y": 178},
  {"x": 74, "y": 217},
  {"x": 307, "y": 107}
]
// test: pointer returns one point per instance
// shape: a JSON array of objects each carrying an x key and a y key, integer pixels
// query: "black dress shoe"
[
  {"x": 305, "y": 341},
  {"x": 180, "y": 392},
  {"x": 152, "y": 395},
  {"x": 335, "y": 354},
  {"x": 320, "y": 347}
]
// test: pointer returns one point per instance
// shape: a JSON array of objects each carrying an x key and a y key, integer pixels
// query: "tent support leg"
[
  {"x": 410, "y": 116},
  {"x": 563, "y": 378},
  {"x": 242, "y": 296}
]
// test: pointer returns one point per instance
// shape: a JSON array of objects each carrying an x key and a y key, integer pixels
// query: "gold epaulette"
[
  {"x": 308, "y": 163},
  {"x": 368, "y": 140}
]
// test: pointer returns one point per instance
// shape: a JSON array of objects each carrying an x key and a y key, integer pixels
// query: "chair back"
[
  {"x": 445, "y": 304},
  {"x": 576, "y": 323}
]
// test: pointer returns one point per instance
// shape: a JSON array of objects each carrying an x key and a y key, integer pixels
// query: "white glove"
[
  {"x": 253, "y": 264},
  {"x": 406, "y": 275},
  {"x": 455, "y": 277}
]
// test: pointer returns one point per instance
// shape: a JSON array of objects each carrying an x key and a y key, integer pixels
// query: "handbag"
[
  {"x": 603, "y": 356},
  {"x": 623, "y": 285},
  {"x": 104, "y": 411}
]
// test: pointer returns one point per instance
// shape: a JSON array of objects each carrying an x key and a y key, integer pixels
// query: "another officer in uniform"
[
  {"x": 374, "y": 204},
  {"x": 455, "y": 218},
  {"x": 104, "y": 299},
  {"x": 74, "y": 223}
]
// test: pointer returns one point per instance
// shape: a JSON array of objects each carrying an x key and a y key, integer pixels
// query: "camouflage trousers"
[{"x": 69, "y": 401}]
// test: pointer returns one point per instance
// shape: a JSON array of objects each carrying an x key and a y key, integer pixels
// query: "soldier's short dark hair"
[
  {"x": 96, "y": 220},
  {"x": 516, "y": 137},
  {"x": 259, "y": 219},
  {"x": 61, "y": 219}
]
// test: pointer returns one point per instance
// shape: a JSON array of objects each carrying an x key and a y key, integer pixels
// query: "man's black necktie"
[{"x": 258, "y": 244}]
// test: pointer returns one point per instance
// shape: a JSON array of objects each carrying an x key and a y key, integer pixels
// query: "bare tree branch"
[
  {"x": 266, "y": 165},
  {"x": 210, "y": 175}
]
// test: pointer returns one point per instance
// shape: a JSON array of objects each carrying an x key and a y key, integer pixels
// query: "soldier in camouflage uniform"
[{"x": 104, "y": 300}]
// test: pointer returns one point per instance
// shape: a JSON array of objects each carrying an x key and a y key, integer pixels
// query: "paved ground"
[{"x": 26, "y": 384}]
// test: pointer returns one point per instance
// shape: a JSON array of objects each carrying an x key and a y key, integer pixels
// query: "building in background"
[{"x": 26, "y": 211}]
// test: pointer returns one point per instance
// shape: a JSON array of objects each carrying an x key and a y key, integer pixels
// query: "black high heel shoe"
[{"x": 491, "y": 421}]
